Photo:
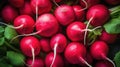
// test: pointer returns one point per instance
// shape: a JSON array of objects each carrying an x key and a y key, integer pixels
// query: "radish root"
[
  {"x": 25, "y": 35},
  {"x": 33, "y": 56},
  {"x": 85, "y": 35},
  {"x": 18, "y": 27},
  {"x": 55, "y": 52},
  {"x": 55, "y": 3},
  {"x": 110, "y": 61},
  {"x": 80, "y": 58}
]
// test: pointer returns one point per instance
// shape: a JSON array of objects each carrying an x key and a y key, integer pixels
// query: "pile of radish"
[{"x": 59, "y": 33}]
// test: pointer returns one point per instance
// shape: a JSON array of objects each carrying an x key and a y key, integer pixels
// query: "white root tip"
[
  {"x": 24, "y": 35},
  {"x": 85, "y": 35},
  {"x": 110, "y": 61},
  {"x": 55, "y": 51},
  {"x": 33, "y": 56},
  {"x": 55, "y": 3},
  {"x": 18, "y": 27},
  {"x": 80, "y": 58}
]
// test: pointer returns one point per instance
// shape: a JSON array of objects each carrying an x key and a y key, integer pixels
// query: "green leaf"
[
  {"x": 3, "y": 50},
  {"x": 10, "y": 33},
  {"x": 113, "y": 26},
  {"x": 15, "y": 58},
  {"x": 1, "y": 31},
  {"x": 5, "y": 65},
  {"x": 115, "y": 12},
  {"x": 2, "y": 40},
  {"x": 117, "y": 59}
]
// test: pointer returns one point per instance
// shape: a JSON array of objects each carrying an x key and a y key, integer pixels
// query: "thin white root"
[
  {"x": 33, "y": 56},
  {"x": 18, "y": 27},
  {"x": 55, "y": 51},
  {"x": 25, "y": 35},
  {"x": 80, "y": 58},
  {"x": 85, "y": 35},
  {"x": 110, "y": 61},
  {"x": 86, "y": 5},
  {"x": 55, "y": 3}
]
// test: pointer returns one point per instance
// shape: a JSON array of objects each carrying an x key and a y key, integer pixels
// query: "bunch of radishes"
[{"x": 60, "y": 33}]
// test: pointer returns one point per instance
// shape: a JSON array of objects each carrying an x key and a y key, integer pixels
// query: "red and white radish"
[
  {"x": 58, "y": 44},
  {"x": 9, "y": 13},
  {"x": 108, "y": 38},
  {"x": 26, "y": 24},
  {"x": 75, "y": 53},
  {"x": 57, "y": 63},
  {"x": 26, "y": 9},
  {"x": 28, "y": 44},
  {"x": 99, "y": 51},
  {"x": 47, "y": 25},
  {"x": 43, "y": 6},
  {"x": 65, "y": 14},
  {"x": 103, "y": 63},
  {"x": 38, "y": 62},
  {"x": 79, "y": 12},
  {"x": 45, "y": 45},
  {"x": 99, "y": 13},
  {"x": 75, "y": 31},
  {"x": 16, "y": 3}
]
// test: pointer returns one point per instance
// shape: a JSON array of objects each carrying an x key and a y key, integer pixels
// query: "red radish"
[
  {"x": 29, "y": 44},
  {"x": 65, "y": 14},
  {"x": 99, "y": 13},
  {"x": 58, "y": 61},
  {"x": 79, "y": 12},
  {"x": 99, "y": 51},
  {"x": 26, "y": 24},
  {"x": 103, "y": 63},
  {"x": 8, "y": 13},
  {"x": 58, "y": 44},
  {"x": 47, "y": 25},
  {"x": 16, "y": 3},
  {"x": 59, "y": 40},
  {"x": 113, "y": 2},
  {"x": 38, "y": 62},
  {"x": 75, "y": 31},
  {"x": 58, "y": 1},
  {"x": 88, "y": 3},
  {"x": 75, "y": 53},
  {"x": 43, "y": 6},
  {"x": 26, "y": 9},
  {"x": 108, "y": 38},
  {"x": 45, "y": 45}
]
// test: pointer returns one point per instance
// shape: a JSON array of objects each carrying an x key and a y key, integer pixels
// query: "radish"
[
  {"x": 58, "y": 1},
  {"x": 47, "y": 25},
  {"x": 113, "y": 2},
  {"x": 99, "y": 51},
  {"x": 58, "y": 61},
  {"x": 108, "y": 38},
  {"x": 29, "y": 45},
  {"x": 99, "y": 13},
  {"x": 65, "y": 14},
  {"x": 16, "y": 3},
  {"x": 25, "y": 24},
  {"x": 38, "y": 62},
  {"x": 8, "y": 13},
  {"x": 75, "y": 31},
  {"x": 26, "y": 9},
  {"x": 43, "y": 6},
  {"x": 88, "y": 3},
  {"x": 75, "y": 53},
  {"x": 103, "y": 63},
  {"x": 58, "y": 44},
  {"x": 45, "y": 45},
  {"x": 79, "y": 12}
]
